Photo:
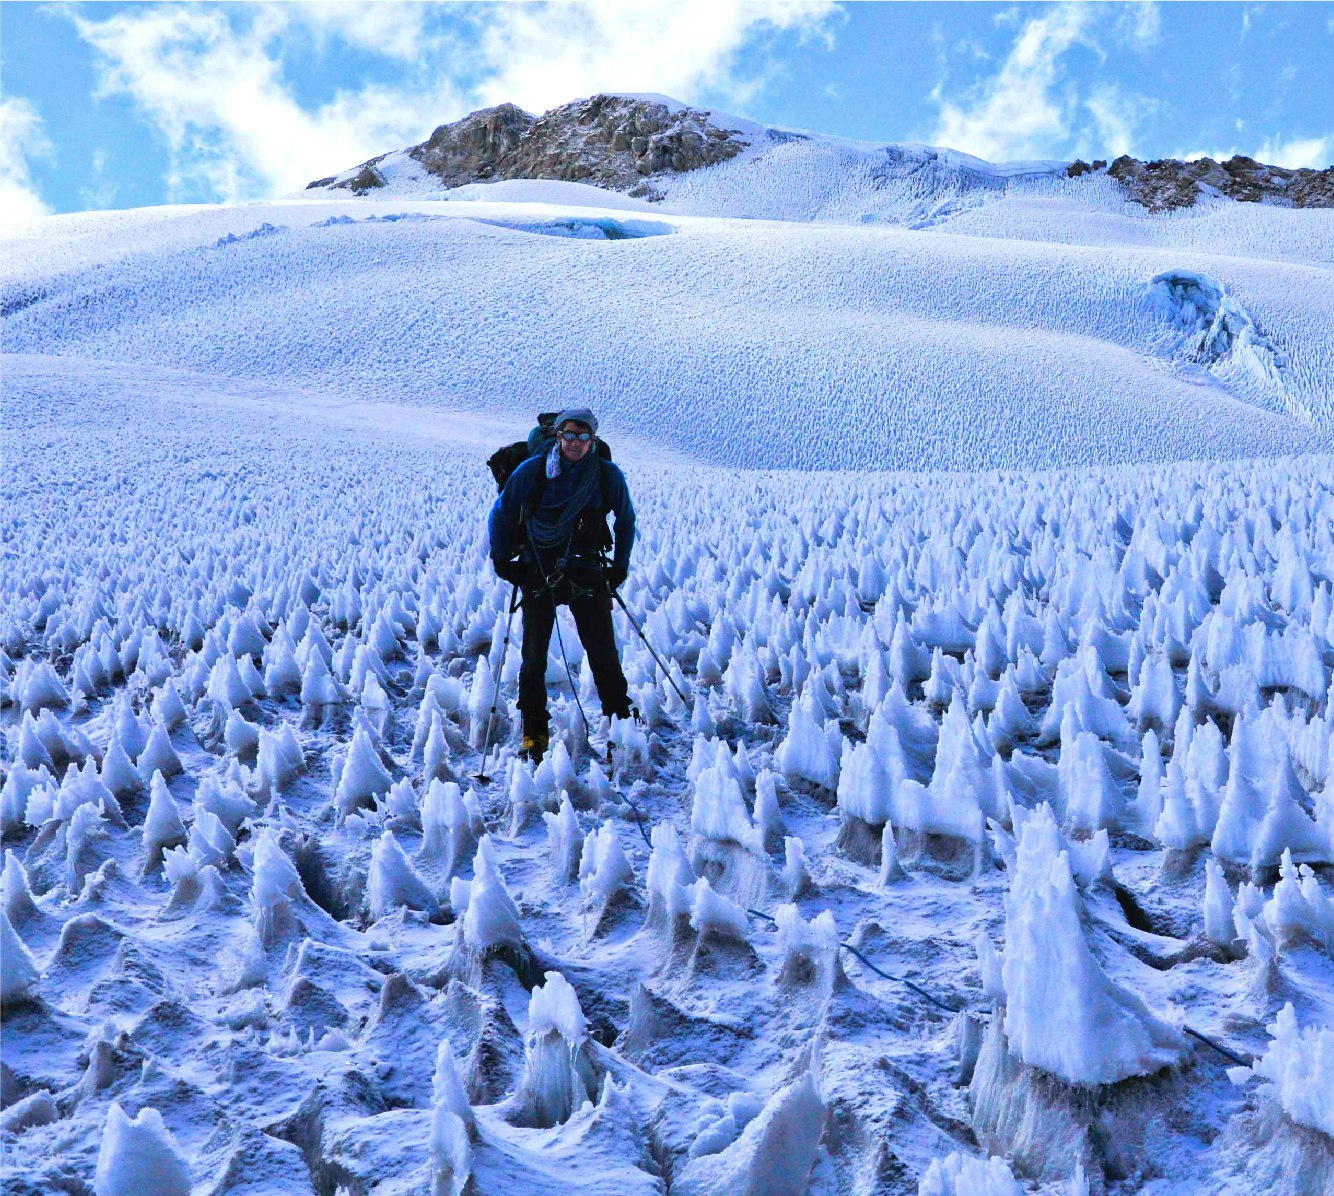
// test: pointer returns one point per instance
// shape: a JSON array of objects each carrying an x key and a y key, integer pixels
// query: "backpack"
[{"x": 506, "y": 459}]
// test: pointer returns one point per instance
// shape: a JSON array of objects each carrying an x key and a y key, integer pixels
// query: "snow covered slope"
[{"x": 888, "y": 347}]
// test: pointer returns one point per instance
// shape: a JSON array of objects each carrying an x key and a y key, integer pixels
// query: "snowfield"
[
  {"x": 895, "y": 347},
  {"x": 988, "y": 852}
]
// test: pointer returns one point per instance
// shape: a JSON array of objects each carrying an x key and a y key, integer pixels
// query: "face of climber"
[{"x": 572, "y": 447}]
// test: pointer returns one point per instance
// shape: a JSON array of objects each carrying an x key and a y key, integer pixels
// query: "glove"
[
  {"x": 615, "y": 576},
  {"x": 510, "y": 571}
]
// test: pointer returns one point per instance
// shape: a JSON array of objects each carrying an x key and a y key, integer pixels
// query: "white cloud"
[
  {"x": 212, "y": 80},
  {"x": 1115, "y": 118},
  {"x": 100, "y": 191},
  {"x": 1315, "y": 152},
  {"x": 232, "y": 123},
  {"x": 1140, "y": 24},
  {"x": 1034, "y": 106},
  {"x": 1248, "y": 14},
  {"x": 1021, "y": 111},
  {"x": 393, "y": 30},
  {"x": 22, "y": 140},
  {"x": 541, "y": 55}
]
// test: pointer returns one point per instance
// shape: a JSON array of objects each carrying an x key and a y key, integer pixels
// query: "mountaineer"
[{"x": 549, "y": 533}]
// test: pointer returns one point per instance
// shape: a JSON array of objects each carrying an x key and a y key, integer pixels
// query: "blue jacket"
[{"x": 507, "y": 534}]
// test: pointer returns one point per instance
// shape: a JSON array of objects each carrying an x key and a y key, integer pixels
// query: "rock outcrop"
[
  {"x": 476, "y": 148},
  {"x": 1167, "y": 183},
  {"x": 609, "y": 141}
]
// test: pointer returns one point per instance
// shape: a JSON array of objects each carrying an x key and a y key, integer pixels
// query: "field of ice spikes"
[{"x": 991, "y": 794}]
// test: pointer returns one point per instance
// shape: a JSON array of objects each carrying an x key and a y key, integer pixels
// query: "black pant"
[{"x": 592, "y": 618}]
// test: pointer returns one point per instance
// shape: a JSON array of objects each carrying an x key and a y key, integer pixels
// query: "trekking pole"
[
  {"x": 574, "y": 692},
  {"x": 653, "y": 651},
  {"x": 847, "y": 946},
  {"x": 481, "y": 778},
  {"x": 1230, "y": 1056}
]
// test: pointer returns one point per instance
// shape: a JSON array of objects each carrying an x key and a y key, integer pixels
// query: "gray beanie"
[{"x": 580, "y": 415}]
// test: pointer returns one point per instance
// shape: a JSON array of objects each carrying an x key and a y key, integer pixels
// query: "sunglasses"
[{"x": 582, "y": 437}]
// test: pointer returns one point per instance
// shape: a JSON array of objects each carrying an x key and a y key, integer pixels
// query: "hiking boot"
[{"x": 534, "y": 744}]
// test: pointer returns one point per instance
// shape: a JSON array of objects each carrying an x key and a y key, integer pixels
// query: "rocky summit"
[
  {"x": 609, "y": 141},
  {"x": 637, "y": 144}
]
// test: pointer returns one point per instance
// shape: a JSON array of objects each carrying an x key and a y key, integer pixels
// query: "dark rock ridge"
[
  {"x": 1170, "y": 183},
  {"x": 609, "y": 141}
]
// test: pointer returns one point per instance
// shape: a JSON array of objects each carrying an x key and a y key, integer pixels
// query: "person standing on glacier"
[{"x": 549, "y": 532}]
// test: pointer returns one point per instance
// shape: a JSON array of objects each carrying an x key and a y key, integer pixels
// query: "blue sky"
[{"x": 111, "y": 105}]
